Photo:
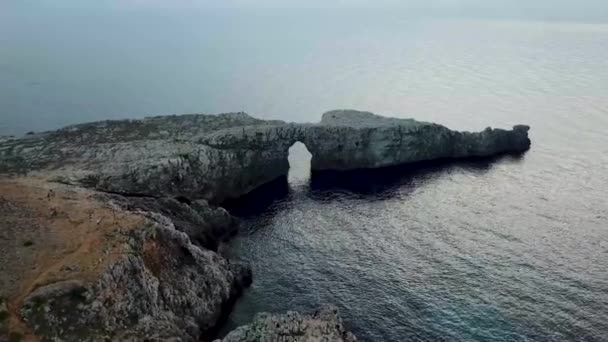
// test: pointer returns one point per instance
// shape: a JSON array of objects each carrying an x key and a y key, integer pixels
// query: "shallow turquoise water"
[{"x": 510, "y": 249}]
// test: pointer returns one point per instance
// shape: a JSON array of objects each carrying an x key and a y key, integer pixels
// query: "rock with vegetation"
[
  {"x": 105, "y": 266},
  {"x": 162, "y": 287},
  {"x": 323, "y": 325}
]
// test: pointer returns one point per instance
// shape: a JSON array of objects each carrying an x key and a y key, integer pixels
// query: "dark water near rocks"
[
  {"x": 510, "y": 249},
  {"x": 472, "y": 250}
]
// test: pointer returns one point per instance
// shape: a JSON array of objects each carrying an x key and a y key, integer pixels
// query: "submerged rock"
[
  {"x": 218, "y": 157},
  {"x": 323, "y": 325}
]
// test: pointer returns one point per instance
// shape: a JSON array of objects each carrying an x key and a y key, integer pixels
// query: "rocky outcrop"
[
  {"x": 163, "y": 287},
  {"x": 205, "y": 225},
  {"x": 225, "y": 156},
  {"x": 323, "y": 325},
  {"x": 347, "y": 140},
  {"x": 110, "y": 229},
  {"x": 81, "y": 265}
]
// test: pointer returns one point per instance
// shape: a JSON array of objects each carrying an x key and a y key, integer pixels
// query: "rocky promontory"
[
  {"x": 218, "y": 157},
  {"x": 112, "y": 229}
]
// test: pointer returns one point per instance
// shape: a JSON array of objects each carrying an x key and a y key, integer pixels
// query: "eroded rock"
[
  {"x": 162, "y": 287},
  {"x": 323, "y": 325},
  {"x": 205, "y": 225},
  {"x": 225, "y": 156},
  {"x": 125, "y": 235},
  {"x": 105, "y": 268}
]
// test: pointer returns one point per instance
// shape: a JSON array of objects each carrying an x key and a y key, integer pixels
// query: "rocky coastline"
[{"x": 112, "y": 229}]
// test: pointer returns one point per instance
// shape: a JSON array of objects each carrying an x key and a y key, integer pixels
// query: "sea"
[{"x": 512, "y": 248}]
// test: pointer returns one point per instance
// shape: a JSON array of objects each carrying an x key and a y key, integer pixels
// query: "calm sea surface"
[{"x": 510, "y": 249}]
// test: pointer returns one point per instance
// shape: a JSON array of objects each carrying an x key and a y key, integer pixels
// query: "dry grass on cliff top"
[{"x": 51, "y": 232}]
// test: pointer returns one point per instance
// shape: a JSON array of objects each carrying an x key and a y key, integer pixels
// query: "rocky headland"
[{"x": 111, "y": 229}]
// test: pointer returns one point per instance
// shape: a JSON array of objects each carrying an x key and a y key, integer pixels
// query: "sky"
[{"x": 539, "y": 9}]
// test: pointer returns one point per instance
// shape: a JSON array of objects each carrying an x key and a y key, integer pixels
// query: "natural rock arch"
[{"x": 218, "y": 157}]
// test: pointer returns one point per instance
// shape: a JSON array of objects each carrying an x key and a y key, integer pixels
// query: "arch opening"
[{"x": 299, "y": 163}]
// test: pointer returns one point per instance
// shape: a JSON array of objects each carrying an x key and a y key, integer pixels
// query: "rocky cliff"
[
  {"x": 111, "y": 229},
  {"x": 225, "y": 156},
  {"x": 80, "y": 265}
]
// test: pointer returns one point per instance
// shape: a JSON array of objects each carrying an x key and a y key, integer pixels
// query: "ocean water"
[{"x": 509, "y": 249}]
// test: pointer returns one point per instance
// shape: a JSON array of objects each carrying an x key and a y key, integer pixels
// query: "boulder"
[{"x": 323, "y": 325}]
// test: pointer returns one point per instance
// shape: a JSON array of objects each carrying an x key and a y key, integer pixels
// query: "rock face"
[
  {"x": 205, "y": 225},
  {"x": 109, "y": 229},
  {"x": 324, "y": 325},
  {"x": 82, "y": 265},
  {"x": 225, "y": 156},
  {"x": 164, "y": 287}
]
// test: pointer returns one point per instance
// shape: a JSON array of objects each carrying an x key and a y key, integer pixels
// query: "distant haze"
[
  {"x": 513, "y": 249},
  {"x": 70, "y": 61},
  {"x": 537, "y": 9}
]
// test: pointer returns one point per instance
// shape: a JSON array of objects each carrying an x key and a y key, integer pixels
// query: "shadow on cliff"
[
  {"x": 260, "y": 199},
  {"x": 373, "y": 184},
  {"x": 381, "y": 182}
]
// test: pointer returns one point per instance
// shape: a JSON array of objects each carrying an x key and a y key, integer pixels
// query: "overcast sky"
[{"x": 533, "y": 9}]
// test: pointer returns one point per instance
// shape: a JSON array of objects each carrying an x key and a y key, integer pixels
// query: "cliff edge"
[
  {"x": 218, "y": 157},
  {"x": 111, "y": 229}
]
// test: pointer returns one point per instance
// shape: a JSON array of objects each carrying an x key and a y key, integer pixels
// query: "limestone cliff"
[
  {"x": 225, "y": 156},
  {"x": 109, "y": 229}
]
